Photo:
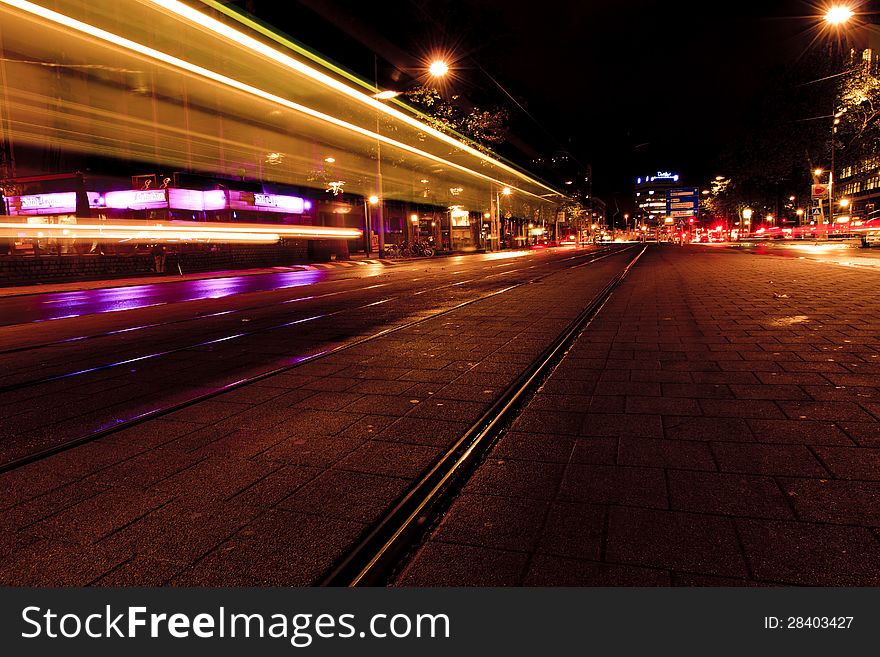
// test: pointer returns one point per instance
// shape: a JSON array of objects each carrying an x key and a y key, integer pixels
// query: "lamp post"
[
  {"x": 836, "y": 18},
  {"x": 500, "y": 225}
]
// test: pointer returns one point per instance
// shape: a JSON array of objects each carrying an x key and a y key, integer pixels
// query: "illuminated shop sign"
[
  {"x": 659, "y": 177},
  {"x": 56, "y": 202},
  {"x": 459, "y": 217},
  {"x": 266, "y": 202},
  {"x": 137, "y": 199},
  {"x": 274, "y": 202}
]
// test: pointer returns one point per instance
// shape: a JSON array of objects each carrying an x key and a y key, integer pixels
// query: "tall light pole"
[
  {"x": 836, "y": 18},
  {"x": 506, "y": 192}
]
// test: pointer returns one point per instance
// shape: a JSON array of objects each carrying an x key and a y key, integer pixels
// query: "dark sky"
[{"x": 627, "y": 86}]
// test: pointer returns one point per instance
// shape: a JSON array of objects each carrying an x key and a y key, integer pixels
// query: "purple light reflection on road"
[{"x": 41, "y": 308}]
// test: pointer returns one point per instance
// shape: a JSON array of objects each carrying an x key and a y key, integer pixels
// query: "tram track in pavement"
[
  {"x": 383, "y": 548},
  {"x": 120, "y": 424}
]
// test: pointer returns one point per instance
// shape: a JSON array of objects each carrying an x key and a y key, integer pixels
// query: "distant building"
[
  {"x": 860, "y": 181},
  {"x": 650, "y": 197}
]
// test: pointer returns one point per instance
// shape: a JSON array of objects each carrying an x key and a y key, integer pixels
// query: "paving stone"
[
  {"x": 532, "y": 480},
  {"x": 54, "y": 563},
  {"x": 549, "y": 570},
  {"x": 866, "y": 434},
  {"x": 534, "y": 447},
  {"x": 141, "y": 571},
  {"x": 273, "y": 488},
  {"x": 612, "y": 484},
  {"x": 669, "y": 540},
  {"x": 707, "y": 428},
  {"x": 448, "y": 409},
  {"x": 810, "y": 554},
  {"x": 147, "y": 468},
  {"x": 182, "y": 530},
  {"x": 346, "y": 495},
  {"x": 573, "y": 530},
  {"x": 329, "y": 400},
  {"x": 463, "y": 565},
  {"x": 791, "y": 460},
  {"x": 504, "y": 523},
  {"x": 99, "y": 515},
  {"x": 422, "y": 431},
  {"x": 390, "y": 459},
  {"x": 666, "y": 405},
  {"x": 557, "y": 422},
  {"x": 726, "y": 494},
  {"x": 665, "y": 453},
  {"x": 314, "y": 451},
  {"x": 835, "y": 501},
  {"x": 840, "y": 411},
  {"x": 279, "y": 548},
  {"x": 851, "y": 462},
  {"x": 595, "y": 449},
  {"x": 799, "y": 432},
  {"x": 619, "y": 424}
]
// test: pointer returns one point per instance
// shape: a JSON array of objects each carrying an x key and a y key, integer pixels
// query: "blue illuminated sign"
[{"x": 682, "y": 203}]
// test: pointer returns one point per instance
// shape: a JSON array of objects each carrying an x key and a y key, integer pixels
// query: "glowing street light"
[
  {"x": 747, "y": 217},
  {"x": 844, "y": 202},
  {"x": 374, "y": 200},
  {"x": 838, "y": 15},
  {"x": 438, "y": 68}
]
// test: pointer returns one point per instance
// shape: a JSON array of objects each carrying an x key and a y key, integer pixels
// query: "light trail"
[
  {"x": 205, "y": 22},
  {"x": 140, "y": 231}
]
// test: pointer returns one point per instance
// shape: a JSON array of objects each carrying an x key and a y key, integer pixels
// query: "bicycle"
[
  {"x": 397, "y": 251},
  {"x": 423, "y": 249}
]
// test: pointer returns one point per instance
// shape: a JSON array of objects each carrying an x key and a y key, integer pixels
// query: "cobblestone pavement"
[{"x": 717, "y": 424}]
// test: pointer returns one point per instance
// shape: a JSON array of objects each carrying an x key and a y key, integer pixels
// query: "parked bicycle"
[
  {"x": 423, "y": 249},
  {"x": 397, "y": 251},
  {"x": 406, "y": 250}
]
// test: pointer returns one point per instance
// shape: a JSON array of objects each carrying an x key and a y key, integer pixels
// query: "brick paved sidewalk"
[{"x": 716, "y": 425}]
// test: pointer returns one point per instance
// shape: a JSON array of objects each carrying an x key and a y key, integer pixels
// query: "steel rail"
[{"x": 380, "y": 548}]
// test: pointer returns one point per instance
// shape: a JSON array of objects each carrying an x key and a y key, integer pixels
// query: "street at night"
[{"x": 553, "y": 327}]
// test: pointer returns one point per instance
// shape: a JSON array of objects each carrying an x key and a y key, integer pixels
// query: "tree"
[
  {"x": 485, "y": 128},
  {"x": 857, "y": 134}
]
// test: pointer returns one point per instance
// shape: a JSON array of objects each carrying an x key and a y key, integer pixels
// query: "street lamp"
[
  {"x": 438, "y": 68},
  {"x": 746, "y": 220},
  {"x": 837, "y": 15}
]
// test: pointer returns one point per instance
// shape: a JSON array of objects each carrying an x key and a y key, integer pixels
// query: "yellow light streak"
[{"x": 203, "y": 21}]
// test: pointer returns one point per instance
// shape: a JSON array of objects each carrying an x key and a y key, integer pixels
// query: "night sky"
[{"x": 627, "y": 87}]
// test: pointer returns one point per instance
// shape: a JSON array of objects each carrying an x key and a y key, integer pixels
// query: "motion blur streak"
[
  {"x": 527, "y": 186},
  {"x": 137, "y": 231},
  {"x": 249, "y": 42}
]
